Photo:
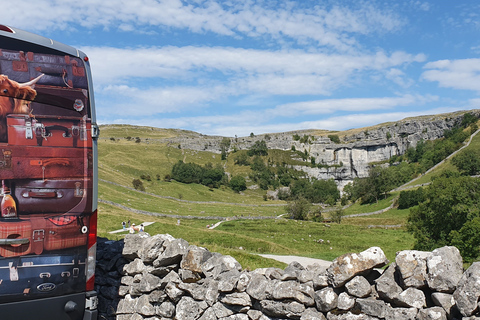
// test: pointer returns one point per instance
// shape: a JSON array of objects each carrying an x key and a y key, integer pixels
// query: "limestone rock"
[
  {"x": 412, "y": 267},
  {"x": 236, "y": 298},
  {"x": 292, "y": 290},
  {"x": 149, "y": 283},
  {"x": 196, "y": 291},
  {"x": 218, "y": 264},
  {"x": 188, "y": 309},
  {"x": 345, "y": 302},
  {"x": 358, "y": 287},
  {"x": 386, "y": 284},
  {"x": 349, "y": 316},
  {"x": 411, "y": 297},
  {"x": 135, "y": 267},
  {"x": 152, "y": 247},
  {"x": 194, "y": 258},
  {"x": 132, "y": 243},
  {"x": 434, "y": 313},
  {"x": 144, "y": 307},
  {"x": 349, "y": 265},
  {"x": 173, "y": 292},
  {"x": 374, "y": 308},
  {"x": 243, "y": 281},
  {"x": 256, "y": 287},
  {"x": 326, "y": 299},
  {"x": 166, "y": 309},
  {"x": 174, "y": 250},
  {"x": 312, "y": 314},
  {"x": 468, "y": 290},
  {"x": 445, "y": 301},
  {"x": 445, "y": 268},
  {"x": 227, "y": 281},
  {"x": 282, "y": 309},
  {"x": 209, "y": 314},
  {"x": 401, "y": 314}
]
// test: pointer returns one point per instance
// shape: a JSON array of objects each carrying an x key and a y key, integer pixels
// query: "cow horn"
[{"x": 31, "y": 82}]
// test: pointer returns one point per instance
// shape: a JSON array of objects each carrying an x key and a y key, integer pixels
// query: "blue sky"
[{"x": 235, "y": 67}]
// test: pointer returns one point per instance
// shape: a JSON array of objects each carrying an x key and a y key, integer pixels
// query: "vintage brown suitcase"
[
  {"x": 62, "y": 71},
  {"x": 15, "y": 237},
  {"x": 24, "y": 130},
  {"x": 20, "y": 162},
  {"x": 20, "y": 237},
  {"x": 52, "y": 196},
  {"x": 65, "y": 231}
]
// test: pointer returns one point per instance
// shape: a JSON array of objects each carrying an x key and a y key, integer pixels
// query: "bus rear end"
[{"x": 48, "y": 176}]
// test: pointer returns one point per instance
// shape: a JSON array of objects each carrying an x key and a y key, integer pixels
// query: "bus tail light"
[{"x": 92, "y": 251}]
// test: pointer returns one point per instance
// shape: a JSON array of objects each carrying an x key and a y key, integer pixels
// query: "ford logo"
[{"x": 46, "y": 287}]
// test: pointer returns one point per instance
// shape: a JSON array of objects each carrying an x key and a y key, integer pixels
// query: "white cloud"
[
  {"x": 331, "y": 27},
  {"x": 284, "y": 72},
  {"x": 458, "y": 74},
  {"x": 355, "y": 104}
]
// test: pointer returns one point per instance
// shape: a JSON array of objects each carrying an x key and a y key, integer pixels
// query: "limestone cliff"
[{"x": 352, "y": 157}]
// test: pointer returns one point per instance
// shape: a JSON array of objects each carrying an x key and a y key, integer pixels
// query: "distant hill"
[{"x": 341, "y": 155}]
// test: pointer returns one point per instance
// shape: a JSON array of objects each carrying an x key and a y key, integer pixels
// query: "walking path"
[{"x": 127, "y": 229}]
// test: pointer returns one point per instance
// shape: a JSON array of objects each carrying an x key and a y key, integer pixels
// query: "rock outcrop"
[{"x": 159, "y": 277}]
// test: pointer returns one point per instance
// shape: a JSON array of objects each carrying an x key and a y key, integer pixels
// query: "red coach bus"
[{"x": 48, "y": 175}]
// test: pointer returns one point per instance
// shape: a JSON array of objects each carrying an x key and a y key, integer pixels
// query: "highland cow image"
[{"x": 14, "y": 98}]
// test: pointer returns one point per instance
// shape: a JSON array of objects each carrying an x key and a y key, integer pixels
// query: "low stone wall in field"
[{"x": 160, "y": 277}]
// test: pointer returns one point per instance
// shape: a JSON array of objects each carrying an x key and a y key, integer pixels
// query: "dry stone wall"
[{"x": 160, "y": 277}]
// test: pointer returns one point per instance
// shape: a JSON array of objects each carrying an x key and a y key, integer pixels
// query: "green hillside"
[{"x": 123, "y": 157}]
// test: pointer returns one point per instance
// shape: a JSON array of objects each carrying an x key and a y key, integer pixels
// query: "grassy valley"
[{"x": 250, "y": 224}]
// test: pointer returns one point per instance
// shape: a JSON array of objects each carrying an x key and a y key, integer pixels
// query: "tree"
[
  {"x": 298, "y": 209},
  {"x": 224, "y": 145},
  {"x": 444, "y": 218},
  {"x": 467, "y": 240},
  {"x": 337, "y": 215},
  {"x": 238, "y": 183},
  {"x": 259, "y": 148},
  {"x": 467, "y": 162}
]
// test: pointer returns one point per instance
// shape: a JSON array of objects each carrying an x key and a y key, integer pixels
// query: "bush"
[
  {"x": 410, "y": 198},
  {"x": 467, "y": 162},
  {"x": 238, "y": 183},
  {"x": 298, "y": 209},
  {"x": 334, "y": 138},
  {"x": 138, "y": 184},
  {"x": 259, "y": 148}
]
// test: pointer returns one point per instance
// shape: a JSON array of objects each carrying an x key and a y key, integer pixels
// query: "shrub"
[
  {"x": 238, "y": 183},
  {"x": 334, "y": 138},
  {"x": 138, "y": 184},
  {"x": 298, "y": 209}
]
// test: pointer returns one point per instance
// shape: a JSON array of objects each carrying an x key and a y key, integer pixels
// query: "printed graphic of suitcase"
[
  {"x": 32, "y": 276},
  {"x": 15, "y": 237},
  {"x": 20, "y": 237},
  {"x": 24, "y": 130},
  {"x": 59, "y": 71},
  {"x": 52, "y": 196},
  {"x": 20, "y": 162},
  {"x": 65, "y": 231}
]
